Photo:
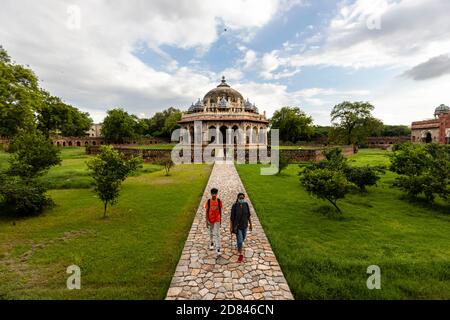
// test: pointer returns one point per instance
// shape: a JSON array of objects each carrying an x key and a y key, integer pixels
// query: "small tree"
[
  {"x": 20, "y": 188},
  {"x": 168, "y": 164},
  {"x": 334, "y": 160},
  {"x": 109, "y": 169},
  {"x": 284, "y": 161},
  {"x": 360, "y": 176},
  {"x": 326, "y": 184}
]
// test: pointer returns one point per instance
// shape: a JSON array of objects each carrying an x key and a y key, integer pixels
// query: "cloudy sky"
[{"x": 146, "y": 56}]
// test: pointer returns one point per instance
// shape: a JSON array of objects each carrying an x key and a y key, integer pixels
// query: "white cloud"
[
  {"x": 93, "y": 66},
  {"x": 314, "y": 101},
  {"x": 270, "y": 62},
  {"x": 410, "y": 32},
  {"x": 249, "y": 59}
]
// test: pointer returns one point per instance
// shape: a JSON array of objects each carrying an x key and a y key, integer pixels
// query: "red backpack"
[{"x": 220, "y": 209}]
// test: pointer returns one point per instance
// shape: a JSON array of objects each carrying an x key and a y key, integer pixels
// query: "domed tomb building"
[
  {"x": 434, "y": 130},
  {"x": 224, "y": 110}
]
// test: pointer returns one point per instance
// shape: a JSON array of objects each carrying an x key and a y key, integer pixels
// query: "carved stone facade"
[
  {"x": 435, "y": 130},
  {"x": 225, "y": 117}
]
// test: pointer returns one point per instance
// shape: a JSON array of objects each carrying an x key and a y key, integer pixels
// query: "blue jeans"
[{"x": 240, "y": 237}]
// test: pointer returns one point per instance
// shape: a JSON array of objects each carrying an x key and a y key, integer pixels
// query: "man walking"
[
  {"x": 213, "y": 220},
  {"x": 240, "y": 221}
]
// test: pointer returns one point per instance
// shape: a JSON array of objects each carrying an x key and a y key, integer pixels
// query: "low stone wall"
[
  {"x": 156, "y": 155},
  {"x": 386, "y": 142}
]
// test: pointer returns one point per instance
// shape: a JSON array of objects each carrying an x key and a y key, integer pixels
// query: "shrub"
[
  {"x": 23, "y": 196},
  {"x": 363, "y": 176},
  {"x": 423, "y": 169}
]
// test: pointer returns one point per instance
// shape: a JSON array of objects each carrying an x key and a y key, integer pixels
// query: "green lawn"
[
  {"x": 326, "y": 257},
  {"x": 132, "y": 254},
  {"x": 161, "y": 146}
]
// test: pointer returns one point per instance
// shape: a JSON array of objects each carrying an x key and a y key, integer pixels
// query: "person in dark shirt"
[{"x": 240, "y": 222}]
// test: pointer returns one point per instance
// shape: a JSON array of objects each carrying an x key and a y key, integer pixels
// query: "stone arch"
[
  {"x": 262, "y": 135},
  {"x": 191, "y": 134},
  {"x": 58, "y": 143},
  {"x": 86, "y": 143},
  {"x": 212, "y": 134},
  {"x": 70, "y": 143},
  {"x": 64, "y": 143},
  {"x": 248, "y": 132},
  {"x": 94, "y": 143},
  {"x": 223, "y": 132},
  {"x": 78, "y": 144},
  {"x": 236, "y": 135},
  {"x": 255, "y": 134}
]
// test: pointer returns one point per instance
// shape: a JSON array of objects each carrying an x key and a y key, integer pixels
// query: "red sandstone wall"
[{"x": 156, "y": 155}]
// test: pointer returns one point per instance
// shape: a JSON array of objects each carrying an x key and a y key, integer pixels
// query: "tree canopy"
[
  {"x": 24, "y": 106},
  {"x": 120, "y": 126},
  {"x": 163, "y": 123},
  {"x": 293, "y": 123},
  {"x": 353, "y": 122},
  {"x": 19, "y": 96},
  {"x": 57, "y": 117}
]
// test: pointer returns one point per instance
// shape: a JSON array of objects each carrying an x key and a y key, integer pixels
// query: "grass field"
[
  {"x": 131, "y": 254},
  {"x": 326, "y": 256},
  {"x": 160, "y": 146}
]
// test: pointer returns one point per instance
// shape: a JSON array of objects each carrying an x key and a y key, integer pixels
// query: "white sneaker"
[
  {"x": 211, "y": 246},
  {"x": 218, "y": 252}
]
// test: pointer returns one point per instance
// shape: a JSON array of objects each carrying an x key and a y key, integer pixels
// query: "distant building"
[
  {"x": 95, "y": 131},
  {"x": 224, "y": 109},
  {"x": 434, "y": 130}
]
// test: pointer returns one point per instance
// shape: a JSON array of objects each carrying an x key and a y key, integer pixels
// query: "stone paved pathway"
[{"x": 200, "y": 274}]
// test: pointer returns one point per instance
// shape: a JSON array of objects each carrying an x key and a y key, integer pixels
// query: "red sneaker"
[{"x": 241, "y": 258}]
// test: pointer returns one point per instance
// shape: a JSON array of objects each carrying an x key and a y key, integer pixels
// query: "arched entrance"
[
  {"x": 211, "y": 134},
  {"x": 428, "y": 138},
  {"x": 236, "y": 135},
  {"x": 223, "y": 135}
]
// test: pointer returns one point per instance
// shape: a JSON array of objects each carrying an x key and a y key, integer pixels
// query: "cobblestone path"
[{"x": 200, "y": 274}]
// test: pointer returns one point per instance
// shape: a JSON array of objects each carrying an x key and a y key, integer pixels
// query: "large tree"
[
  {"x": 19, "y": 96},
  {"x": 293, "y": 123},
  {"x": 392, "y": 131},
  {"x": 119, "y": 126},
  {"x": 163, "y": 123},
  {"x": 55, "y": 116},
  {"x": 353, "y": 122},
  {"x": 171, "y": 123}
]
